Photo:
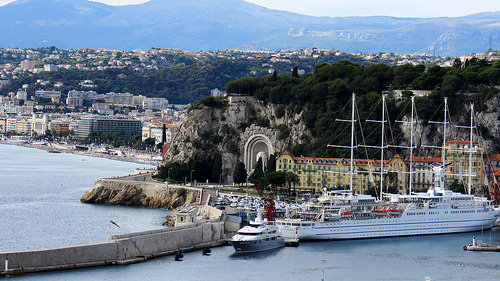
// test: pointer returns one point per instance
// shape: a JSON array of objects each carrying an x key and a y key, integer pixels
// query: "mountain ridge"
[{"x": 234, "y": 24}]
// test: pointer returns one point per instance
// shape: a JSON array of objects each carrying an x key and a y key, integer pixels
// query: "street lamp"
[{"x": 191, "y": 175}]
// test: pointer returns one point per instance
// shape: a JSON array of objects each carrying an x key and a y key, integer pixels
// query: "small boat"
[
  {"x": 257, "y": 237},
  {"x": 481, "y": 246}
]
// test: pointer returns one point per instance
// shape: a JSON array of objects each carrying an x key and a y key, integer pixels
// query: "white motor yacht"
[{"x": 258, "y": 236}]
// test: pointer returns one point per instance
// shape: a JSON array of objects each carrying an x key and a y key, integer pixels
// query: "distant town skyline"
[{"x": 343, "y": 8}]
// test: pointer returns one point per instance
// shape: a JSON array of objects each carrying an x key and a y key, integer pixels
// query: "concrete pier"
[{"x": 119, "y": 249}]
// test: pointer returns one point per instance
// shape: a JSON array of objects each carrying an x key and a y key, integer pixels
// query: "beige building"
[
  {"x": 318, "y": 173},
  {"x": 23, "y": 126},
  {"x": 59, "y": 127},
  {"x": 457, "y": 153}
]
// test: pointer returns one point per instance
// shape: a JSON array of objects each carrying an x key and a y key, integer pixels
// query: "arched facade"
[{"x": 257, "y": 146}]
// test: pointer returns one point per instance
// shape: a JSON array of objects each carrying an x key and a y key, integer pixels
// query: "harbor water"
[{"x": 40, "y": 208}]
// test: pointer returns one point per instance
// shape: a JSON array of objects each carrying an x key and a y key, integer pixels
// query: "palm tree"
[{"x": 291, "y": 177}]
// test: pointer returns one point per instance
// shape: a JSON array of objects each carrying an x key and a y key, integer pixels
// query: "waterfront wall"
[
  {"x": 119, "y": 249},
  {"x": 140, "y": 193}
]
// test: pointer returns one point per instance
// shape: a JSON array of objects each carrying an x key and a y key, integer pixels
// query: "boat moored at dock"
[{"x": 258, "y": 236}]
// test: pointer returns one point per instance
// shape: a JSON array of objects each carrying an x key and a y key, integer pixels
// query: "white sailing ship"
[{"x": 344, "y": 215}]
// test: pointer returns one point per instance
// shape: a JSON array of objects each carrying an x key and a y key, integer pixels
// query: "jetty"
[{"x": 126, "y": 248}]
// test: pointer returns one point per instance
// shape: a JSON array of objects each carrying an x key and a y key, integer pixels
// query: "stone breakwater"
[{"x": 146, "y": 194}]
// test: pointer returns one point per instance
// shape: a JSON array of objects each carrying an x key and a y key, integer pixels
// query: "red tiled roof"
[
  {"x": 425, "y": 159},
  {"x": 491, "y": 157},
  {"x": 334, "y": 161},
  {"x": 461, "y": 141}
]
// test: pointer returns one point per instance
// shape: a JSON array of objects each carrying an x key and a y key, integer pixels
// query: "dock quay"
[{"x": 119, "y": 249}]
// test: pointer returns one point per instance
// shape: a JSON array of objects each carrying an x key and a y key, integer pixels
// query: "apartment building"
[{"x": 316, "y": 173}]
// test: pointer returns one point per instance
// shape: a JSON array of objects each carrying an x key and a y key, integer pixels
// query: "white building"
[
  {"x": 423, "y": 177},
  {"x": 47, "y": 94},
  {"x": 40, "y": 123},
  {"x": 155, "y": 103},
  {"x": 22, "y": 95},
  {"x": 50, "y": 67},
  {"x": 123, "y": 99}
]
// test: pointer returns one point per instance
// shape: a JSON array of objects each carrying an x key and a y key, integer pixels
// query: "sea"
[{"x": 40, "y": 208}]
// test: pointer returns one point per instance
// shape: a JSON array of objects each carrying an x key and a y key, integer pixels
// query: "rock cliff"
[
  {"x": 225, "y": 130},
  {"x": 146, "y": 194}
]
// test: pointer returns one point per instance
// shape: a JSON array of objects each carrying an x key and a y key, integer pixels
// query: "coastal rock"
[
  {"x": 209, "y": 130},
  {"x": 146, "y": 194}
]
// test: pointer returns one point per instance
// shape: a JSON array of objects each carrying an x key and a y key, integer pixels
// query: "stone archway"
[{"x": 257, "y": 146}]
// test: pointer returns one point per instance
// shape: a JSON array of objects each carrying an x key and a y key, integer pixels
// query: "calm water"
[
  {"x": 40, "y": 200},
  {"x": 38, "y": 212}
]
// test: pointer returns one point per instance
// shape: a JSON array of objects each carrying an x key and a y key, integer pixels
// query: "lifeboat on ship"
[
  {"x": 395, "y": 212},
  {"x": 346, "y": 214},
  {"x": 379, "y": 212}
]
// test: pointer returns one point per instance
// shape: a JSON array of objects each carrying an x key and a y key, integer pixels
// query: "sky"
[{"x": 342, "y": 8}]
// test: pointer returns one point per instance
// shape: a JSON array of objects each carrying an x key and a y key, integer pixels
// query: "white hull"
[{"x": 416, "y": 222}]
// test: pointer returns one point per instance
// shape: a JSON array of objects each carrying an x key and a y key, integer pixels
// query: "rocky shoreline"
[{"x": 140, "y": 193}]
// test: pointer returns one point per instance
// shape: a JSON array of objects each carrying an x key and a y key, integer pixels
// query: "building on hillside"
[
  {"x": 28, "y": 65},
  {"x": 318, "y": 173},
  {"x": 155, "y": 103},
  {"x": 21, "y": 95},
  {"x": 74, "y": 102},
  {"x": 457, "y": 155},
  {"x": 85, "y": 95},
  {"x": 50, "y": 67},
  {"x": 48, "y": 94},
  {"x": 423, "y": 175},
  {"x": 217, "y": 93},
  {"x": 123, "y": 99}
]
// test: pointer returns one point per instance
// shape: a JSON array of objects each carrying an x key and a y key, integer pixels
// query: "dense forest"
[{"x": 323, "y": 96}]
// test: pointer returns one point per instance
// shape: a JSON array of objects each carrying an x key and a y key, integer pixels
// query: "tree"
[
  {"x": 258, "y": 172},
  {"x": 291, "y": 177},
  {"x": 274, "y": 78},
  {"x": 216, "y": 168},
  {"x": 456, "y": 186},
  {"x": 271, "y": 163},
  {"x": 295, "y": 71},
  {"x": 240, "y": 173},
  {"x": 276, "y": 178},
  {"x": 457, "y": 63}
]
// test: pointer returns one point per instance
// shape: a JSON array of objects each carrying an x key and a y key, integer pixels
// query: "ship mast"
[
  {"x": 411, "y": 147},
  {"x": 352, "y": 146},
  {"x": 381, "y": 147},
  {"x": 471, "y": 149},
  {"x": 443, "y": 146}
]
